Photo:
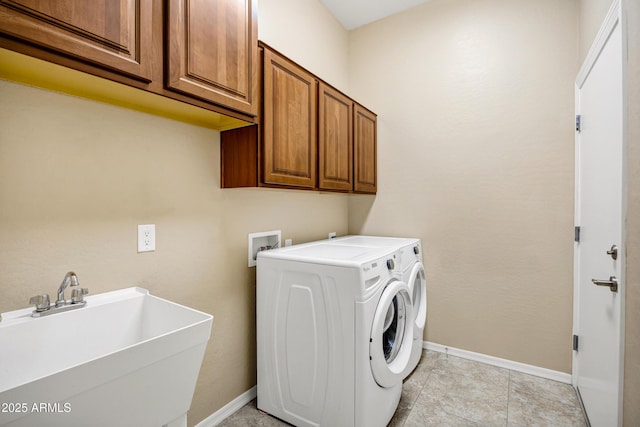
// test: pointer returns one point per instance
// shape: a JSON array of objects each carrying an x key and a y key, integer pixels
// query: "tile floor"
[{"x": 450, "y": 391}]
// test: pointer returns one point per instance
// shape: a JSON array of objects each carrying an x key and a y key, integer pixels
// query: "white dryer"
[
  {"x": 413, "y": 273},
  {"x": 332, "y": 323}
]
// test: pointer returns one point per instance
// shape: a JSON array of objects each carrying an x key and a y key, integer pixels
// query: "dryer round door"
[
  {"x": 418, "y": 289},
  {"x": 391, "y": 335}
]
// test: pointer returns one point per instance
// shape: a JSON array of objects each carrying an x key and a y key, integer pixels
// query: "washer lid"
[
  {"x": 375, "y": 241},
  {"x": 391, "y": 335},
  {"x": 327, "y": 254}
]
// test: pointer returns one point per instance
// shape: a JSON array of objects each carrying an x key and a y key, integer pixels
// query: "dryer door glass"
[
  {"x": 393, "y": 329},
  {"x": 391, "y": 335}
]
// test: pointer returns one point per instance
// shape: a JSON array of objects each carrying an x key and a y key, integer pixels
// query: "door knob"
[
  {"x": 612, "y": 283},
  {"x": 613, "y": 252}
]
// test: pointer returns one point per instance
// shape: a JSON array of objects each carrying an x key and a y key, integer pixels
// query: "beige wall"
[
  {"x": 591, "y": 17},
  {"x": 475, "y": 105},
  {"x": 592, "y": 14},
  {"x": 306, "y": 32},
  {"x": 76, "y": 177}
]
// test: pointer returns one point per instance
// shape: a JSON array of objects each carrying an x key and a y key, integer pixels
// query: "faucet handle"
[
  {"x": 41, "y": 302},
  {"x": 77, "y": 295}
]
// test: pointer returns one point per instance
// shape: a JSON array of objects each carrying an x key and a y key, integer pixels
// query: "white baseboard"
[
  {"x": 502, "y": 363},
  {"x": 228, "y": 409}
]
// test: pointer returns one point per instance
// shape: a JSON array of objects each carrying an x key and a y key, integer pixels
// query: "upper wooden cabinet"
[
  {"x": 213, "y": 51},
  {"x": 116, "y": 34},
  {"x": 198, "y": 52},
  {"x": 289, "y": 143},
  {"x": 335, "y": 140},
  {"x": 310, "y": 136},
  {"x": 365, "y": 145}
]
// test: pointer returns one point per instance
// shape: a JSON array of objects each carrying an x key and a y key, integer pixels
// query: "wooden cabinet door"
[
  {"x": 115, "y": 34},
  {"x": 213, "y": 51},
  {"x": 289, "y": 127},
  {"x": 365, "y": 139},
  {"x": 335, "y": 140}
]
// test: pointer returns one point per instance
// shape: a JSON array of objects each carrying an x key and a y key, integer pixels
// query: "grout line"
[
  {"x": 423, "y": 389},
  {"x": 430, "y": 371}
]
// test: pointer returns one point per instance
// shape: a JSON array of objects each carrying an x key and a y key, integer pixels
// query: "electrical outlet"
[
  {"x": 332, "y": 235},
  {"x": 146, "y": 238},
  {"x": 288, "y": 242}
]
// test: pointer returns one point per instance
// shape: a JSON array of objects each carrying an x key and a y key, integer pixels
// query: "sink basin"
[{"x": 125, "y": 359}]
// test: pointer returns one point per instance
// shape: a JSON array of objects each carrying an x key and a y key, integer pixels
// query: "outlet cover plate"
[{"x": 146, "y": 238}]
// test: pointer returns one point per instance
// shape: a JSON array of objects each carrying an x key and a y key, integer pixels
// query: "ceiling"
[{"x": 355, "y": 13}]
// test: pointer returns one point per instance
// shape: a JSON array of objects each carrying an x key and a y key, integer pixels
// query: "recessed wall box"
[{"x": 261, "y": 242}]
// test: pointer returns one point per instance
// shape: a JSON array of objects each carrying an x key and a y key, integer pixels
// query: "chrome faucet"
[
  {"x": 69, "y": 279},
  {"x": 44, "y": 307}
]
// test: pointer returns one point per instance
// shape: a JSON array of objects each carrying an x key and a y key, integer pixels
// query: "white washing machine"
[
  {"x": 412, "y": 267},
  {"x": 332, "y": 328}
]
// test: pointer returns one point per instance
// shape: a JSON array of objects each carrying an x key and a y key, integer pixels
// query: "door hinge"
[
  {"x": 578, "y": 123},
  {"x": 575, "y": 343},
  {"x": 576, "y": 234}
]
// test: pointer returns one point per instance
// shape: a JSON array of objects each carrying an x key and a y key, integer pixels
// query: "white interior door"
[{"x": 599, "y": 213}]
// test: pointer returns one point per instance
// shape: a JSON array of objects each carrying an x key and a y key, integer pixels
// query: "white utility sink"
[{"x": 126, "y": 359}]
